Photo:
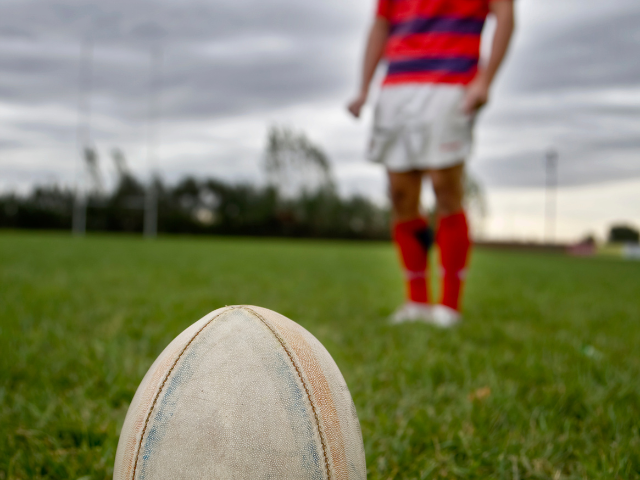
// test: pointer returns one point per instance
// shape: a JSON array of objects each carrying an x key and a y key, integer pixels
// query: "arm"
[
  {"x": 375, "y": 48},
  {"x": 478, "y": 90}
]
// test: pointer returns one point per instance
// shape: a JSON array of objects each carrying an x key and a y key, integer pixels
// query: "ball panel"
[
  {"x": 129, "y": 442},
  {"x": 338, "y": 420},
  {"x": 346, "y": 418}
]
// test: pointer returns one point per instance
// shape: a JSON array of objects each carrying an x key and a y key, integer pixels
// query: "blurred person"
[{"x": 433, "y": 89}]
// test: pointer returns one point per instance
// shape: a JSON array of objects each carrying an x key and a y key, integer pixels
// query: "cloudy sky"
[{"x": 230, "y": 69}]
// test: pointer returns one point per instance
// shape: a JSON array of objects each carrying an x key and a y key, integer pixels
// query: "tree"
[
  {"x": 120, "y": 162},
  {"x": 623, "y": 234},
  {"x": 294, "y": 165}
]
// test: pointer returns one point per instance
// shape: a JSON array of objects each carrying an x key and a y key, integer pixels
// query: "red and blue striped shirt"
[{"x": 433, "y": 41}]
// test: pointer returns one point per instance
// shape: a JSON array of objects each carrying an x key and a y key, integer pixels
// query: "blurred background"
[
  {"x": 228, "y": 117},
  {"x": 219, "y": 102}
]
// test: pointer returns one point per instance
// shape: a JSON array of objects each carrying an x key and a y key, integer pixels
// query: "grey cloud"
[
  {"x": 194, "y": 84},
  {"x": 44, "y": 129},
  {"x": 593, "y": 163},
  {"x": 7, "y": 144},
  {"x": 600, "y": 51},
  {"x": 214, "y": 89},
  {"x": 573, "y": 85},
  {"x": 185, "y": 21},
  {"x": 595, "y": 132},
  {"x": 10, "y": 31}
]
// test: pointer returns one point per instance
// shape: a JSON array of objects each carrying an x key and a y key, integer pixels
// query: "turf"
[{"x": 541, "y": 380}]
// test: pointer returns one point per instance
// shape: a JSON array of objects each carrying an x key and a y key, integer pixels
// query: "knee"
[
  {"x": 404, "y": 204},
  {"x": 398, "y": 197},
  {"x": 449, "y": 201}
]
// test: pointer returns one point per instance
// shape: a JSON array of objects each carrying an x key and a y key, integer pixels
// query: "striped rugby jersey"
[{"x": 433, "y": 41}]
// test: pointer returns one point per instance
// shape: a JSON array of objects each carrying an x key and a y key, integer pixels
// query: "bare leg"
[
  {"x": 404, "y": 189},
  {"x": 448, "y": 187}
]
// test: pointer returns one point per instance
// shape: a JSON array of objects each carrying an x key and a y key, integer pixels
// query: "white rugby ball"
[{"x": 244, "y": 393}]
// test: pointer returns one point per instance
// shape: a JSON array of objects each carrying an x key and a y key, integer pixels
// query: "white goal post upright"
[
  {"x": 551, "y": 195},
  {"x": 79, "y": 213},
  {"x": 86, "y": 164},
  {"x": 151, "y": 196}
]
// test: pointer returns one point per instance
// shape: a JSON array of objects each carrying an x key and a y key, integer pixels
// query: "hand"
[
  {"x": 356, "y": 105},
  {"x": 477, "y": 95}
]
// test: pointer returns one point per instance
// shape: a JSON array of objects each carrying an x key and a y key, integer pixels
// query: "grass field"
[{"x": 541, "y": 381}]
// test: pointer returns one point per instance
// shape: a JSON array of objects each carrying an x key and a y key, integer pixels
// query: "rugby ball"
[{"x": 244, "y": 393}]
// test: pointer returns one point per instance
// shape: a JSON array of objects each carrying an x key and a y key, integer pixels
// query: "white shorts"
[{"x": 420, "y": 127}]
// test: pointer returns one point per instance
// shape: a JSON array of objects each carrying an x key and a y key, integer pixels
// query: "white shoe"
[
  {"x": 444, "y": 316},
  {"x": 411, "y": 312}
]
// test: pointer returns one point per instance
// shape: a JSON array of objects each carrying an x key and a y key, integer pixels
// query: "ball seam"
[{"x": 284, "y": 345}]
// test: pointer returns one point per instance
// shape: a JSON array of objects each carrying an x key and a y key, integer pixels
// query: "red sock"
[
  {"x": 407, "y": 236},
  {"x": 453, "y": 240}
]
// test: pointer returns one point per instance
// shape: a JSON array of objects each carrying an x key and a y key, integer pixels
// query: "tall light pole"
[
  {"x": 151, "y": 197},
  {"x": 551, "y": 195},
  {"x": 79, "y": 215}
]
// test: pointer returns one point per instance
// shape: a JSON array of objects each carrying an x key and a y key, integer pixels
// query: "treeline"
[
  {"x": 203, "y": 206},
  {"x": 299, "y": 200}
]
